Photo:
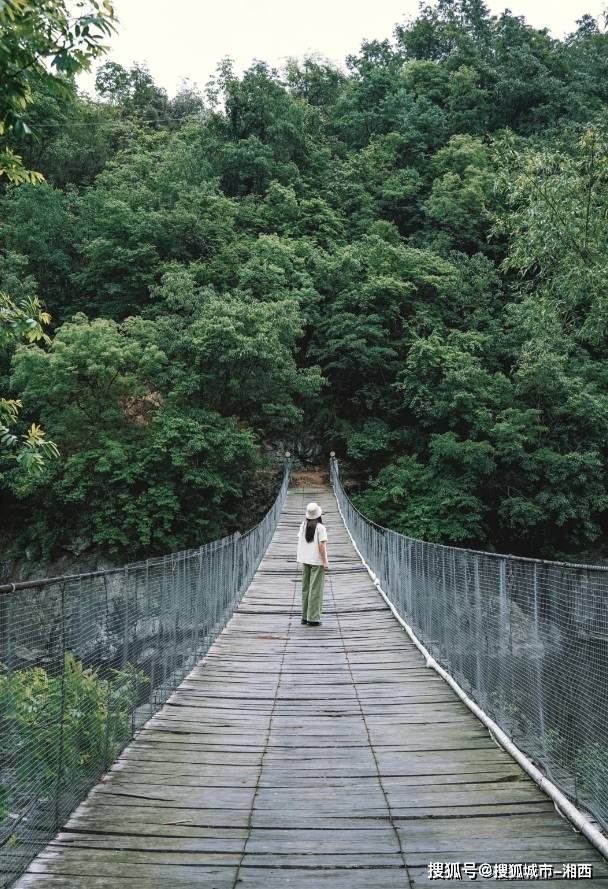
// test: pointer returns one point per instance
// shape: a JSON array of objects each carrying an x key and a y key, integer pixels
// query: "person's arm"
[{"x": 323, "y": 551}]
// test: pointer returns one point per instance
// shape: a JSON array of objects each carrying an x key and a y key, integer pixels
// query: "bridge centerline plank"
[{"x": 329, "y": 754}]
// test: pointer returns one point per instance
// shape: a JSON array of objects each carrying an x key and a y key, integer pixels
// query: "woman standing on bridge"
[{"x": 312, "y": 554}]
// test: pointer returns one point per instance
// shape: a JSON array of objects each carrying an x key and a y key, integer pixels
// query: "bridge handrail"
[
  {"x": 526, "y": 639},
  {"x": 86, "y": 659}
]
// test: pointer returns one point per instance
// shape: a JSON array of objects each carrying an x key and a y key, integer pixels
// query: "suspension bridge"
[{"x": 174, "y": 723}]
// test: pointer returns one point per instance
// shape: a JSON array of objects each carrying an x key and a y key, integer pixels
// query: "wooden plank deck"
[{"x": 308, "y": 757}]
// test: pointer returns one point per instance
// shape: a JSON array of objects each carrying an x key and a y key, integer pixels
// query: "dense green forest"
[{"x": 405, "y": 259}]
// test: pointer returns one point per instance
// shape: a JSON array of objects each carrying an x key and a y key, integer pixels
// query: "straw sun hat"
[{"x": 313, "y": 511}]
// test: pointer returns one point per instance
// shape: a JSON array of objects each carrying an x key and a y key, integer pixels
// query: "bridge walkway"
[{"x": 308, "y": 757}]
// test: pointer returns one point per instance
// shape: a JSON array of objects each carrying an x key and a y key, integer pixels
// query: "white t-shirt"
[{"x": 308, "y": 553}]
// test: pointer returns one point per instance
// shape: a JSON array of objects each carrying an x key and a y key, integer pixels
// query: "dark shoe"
[
  {"x": 303, "y": 621},
  {"x": 314, "y": 623}
]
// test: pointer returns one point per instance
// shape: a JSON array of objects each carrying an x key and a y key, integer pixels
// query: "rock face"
[
  {"x": 305, "y": 449},
  {"x": 17, "y": 566}
]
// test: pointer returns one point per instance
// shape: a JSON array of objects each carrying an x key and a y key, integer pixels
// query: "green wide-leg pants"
[{"x": 313, "y": 580}]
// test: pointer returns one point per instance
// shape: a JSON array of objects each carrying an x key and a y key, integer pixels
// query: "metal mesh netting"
[
  {"x": 86, "y": 660},
  {"x": 526, "y": 639}
]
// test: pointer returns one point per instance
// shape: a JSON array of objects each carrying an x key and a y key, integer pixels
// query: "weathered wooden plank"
[
  {"x": 207, "y": 840},
  {"x": 376, "y": 840},
  {"x": 255, "y": 877},
  {"x": 212, "y": 877},
  {"x": 83, "y": 869}
]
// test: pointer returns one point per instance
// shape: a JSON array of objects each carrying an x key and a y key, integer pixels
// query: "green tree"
[
  {"x": 233, "y": 353},
  {"x": 416, "y": 500},
  {"x": 43, "y": 42},
  {"x": 23, "y": 319},
  {"x": 133, "y": 91},
  {"x": 461, "y": 198},
  {"x": 142, "y": 468},
  {"x": 557, "y": 203}
]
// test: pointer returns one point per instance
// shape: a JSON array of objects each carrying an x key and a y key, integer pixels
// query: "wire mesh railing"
[
  {"x": 86, "y": 660},
  {"x": 526, "y": 639}
]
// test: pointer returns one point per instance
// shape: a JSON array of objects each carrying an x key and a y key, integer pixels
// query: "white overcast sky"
[{"x": 186, "y": 38}]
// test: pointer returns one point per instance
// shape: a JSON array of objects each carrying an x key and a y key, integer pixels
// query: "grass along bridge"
[{"x": 287, "y": 755}]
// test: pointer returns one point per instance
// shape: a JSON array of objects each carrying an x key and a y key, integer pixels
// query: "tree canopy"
[
  {"x": 43, "y": 43},
  {"x": 403, "y": 259}
]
